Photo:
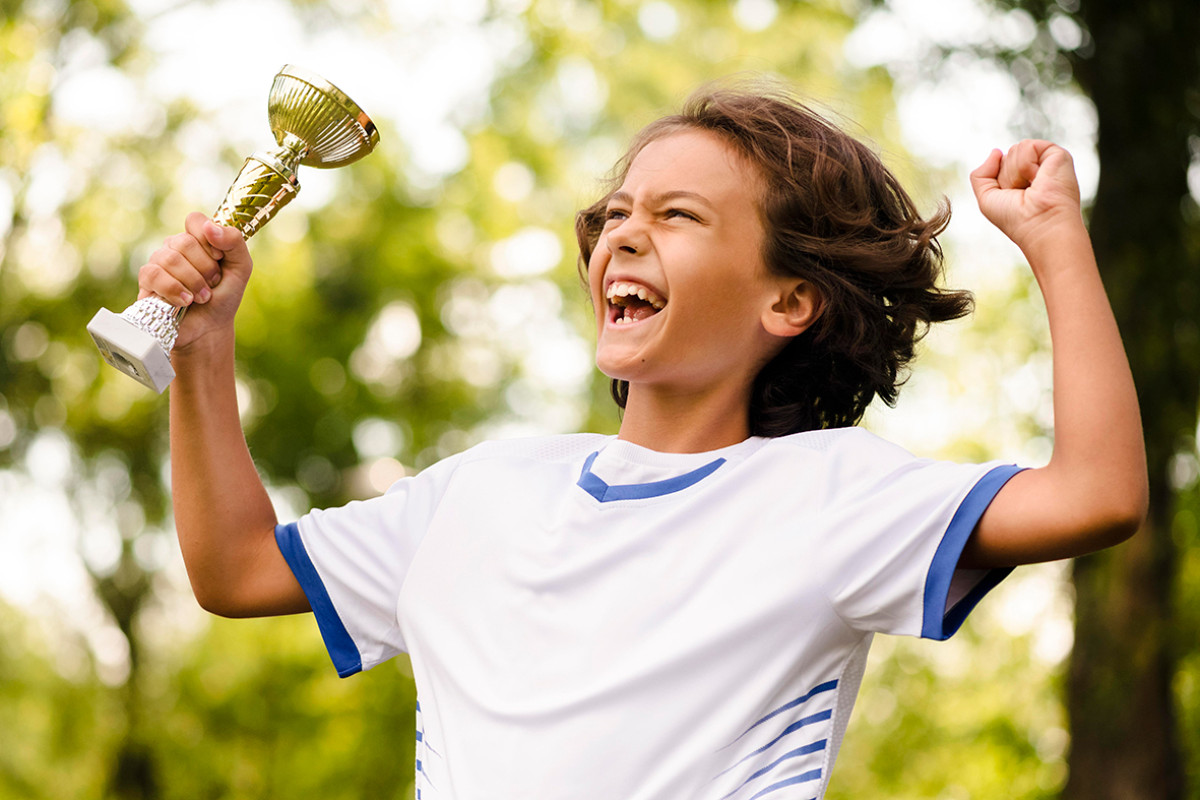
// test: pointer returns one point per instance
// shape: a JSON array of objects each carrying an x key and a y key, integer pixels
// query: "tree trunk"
[
  {"x": 1141, "y": 73},
  {"x": 135, "y": 774}
]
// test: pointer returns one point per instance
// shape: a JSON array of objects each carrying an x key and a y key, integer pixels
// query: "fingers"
[
  {"x": 195, "y": 224},
  {"x": 983, "y": 177},
  {"x": 226, "y": 244},
  {"x": 1021, "y": 164},
  {"x": 1019, "y": 167},
  {"x": 186, "y": 268}
]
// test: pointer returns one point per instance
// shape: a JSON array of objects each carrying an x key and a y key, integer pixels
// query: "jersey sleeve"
[
  {"x": 896, "y": 534},
  {"x": 352, "y": 561}
]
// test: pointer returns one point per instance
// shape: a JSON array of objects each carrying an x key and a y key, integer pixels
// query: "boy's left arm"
[{"x": 1094, "y": 491}]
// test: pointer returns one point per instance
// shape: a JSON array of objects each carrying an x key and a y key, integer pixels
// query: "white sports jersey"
[{"x": 592, "y": 620}]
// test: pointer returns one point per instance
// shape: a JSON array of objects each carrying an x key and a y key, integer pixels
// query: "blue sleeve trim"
[
  {"x": 338, "y": 641},
  {"x": 938, "y": 621}
]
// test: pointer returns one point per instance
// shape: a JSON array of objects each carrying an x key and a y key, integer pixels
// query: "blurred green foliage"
[
  {"x": 386, "y": 328},
  {"x": 1186, "y": 684}
]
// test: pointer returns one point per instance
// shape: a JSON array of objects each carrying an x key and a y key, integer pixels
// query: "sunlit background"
[{"x": 425, "y": 299}]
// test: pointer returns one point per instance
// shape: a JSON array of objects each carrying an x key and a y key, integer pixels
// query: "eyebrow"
[{"x": 663, "y": 197}]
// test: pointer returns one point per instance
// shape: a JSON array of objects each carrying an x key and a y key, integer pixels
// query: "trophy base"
[{"x": 131, "y": 350}]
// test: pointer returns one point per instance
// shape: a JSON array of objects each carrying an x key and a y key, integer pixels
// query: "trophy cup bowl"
[{"x": 314, "y": 124}]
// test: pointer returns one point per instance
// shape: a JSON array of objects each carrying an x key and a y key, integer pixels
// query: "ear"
[{"x": 796, "y": 306}]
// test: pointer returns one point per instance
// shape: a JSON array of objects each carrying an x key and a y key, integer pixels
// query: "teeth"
[{"x": 623, "y": 289}]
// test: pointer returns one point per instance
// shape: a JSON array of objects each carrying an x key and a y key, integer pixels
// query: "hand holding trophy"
[{"x": 314, "y": 124}]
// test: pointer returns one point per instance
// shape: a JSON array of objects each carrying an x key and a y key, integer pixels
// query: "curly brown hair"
[{"x": 836, "y": 217}]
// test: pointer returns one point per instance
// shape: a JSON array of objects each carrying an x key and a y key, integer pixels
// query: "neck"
[{"x": 685, "y": 422}]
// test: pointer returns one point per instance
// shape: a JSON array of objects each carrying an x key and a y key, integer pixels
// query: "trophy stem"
[{"x": 266, "y": 183}]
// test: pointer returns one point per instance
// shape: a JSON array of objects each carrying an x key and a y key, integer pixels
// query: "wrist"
[
  {"x": 1049, "y": 237},
  {"x": 212, "y": 351}
]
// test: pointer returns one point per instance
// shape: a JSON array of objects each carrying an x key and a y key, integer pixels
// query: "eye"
[
  {"x": 615, "y": 214},
  {"x": 681, "y": 214}
]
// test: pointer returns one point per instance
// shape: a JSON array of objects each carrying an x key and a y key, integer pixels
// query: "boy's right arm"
[{"x": 225, "y": 520}]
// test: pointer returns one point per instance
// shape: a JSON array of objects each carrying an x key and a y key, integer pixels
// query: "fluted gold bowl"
[{"x": 335, "y": 129}]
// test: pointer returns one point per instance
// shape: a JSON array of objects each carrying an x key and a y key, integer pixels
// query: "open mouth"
[{"x": 631, "y": 302}]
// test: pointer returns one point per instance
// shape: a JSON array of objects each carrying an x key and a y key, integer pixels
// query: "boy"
[{"x": 683, "y": 610}]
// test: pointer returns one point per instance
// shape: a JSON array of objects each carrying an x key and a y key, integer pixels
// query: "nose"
[{"x": 628, "y": 237}]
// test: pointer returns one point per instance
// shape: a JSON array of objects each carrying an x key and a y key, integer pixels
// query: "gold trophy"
[{"x": 314, "y": 124}]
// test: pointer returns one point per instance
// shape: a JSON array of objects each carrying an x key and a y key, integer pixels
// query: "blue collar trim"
[{"x": 597, "y": 488}]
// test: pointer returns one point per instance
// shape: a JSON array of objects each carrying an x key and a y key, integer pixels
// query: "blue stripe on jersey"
[
  {"x": 803, "y": 722},
  {"x": 338, "y": 641},
  {"x": 807, "y": 749},
  {"x": 597, "y": 488},
  {"x": 424, "y": 750},
  {"x": 804, "y": 777},
  {"x": 939, "y": 622},
  {"x": 804, "y": 698}
]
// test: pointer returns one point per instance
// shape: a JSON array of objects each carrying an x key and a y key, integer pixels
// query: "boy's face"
[{"x": 677, "y": 278}]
